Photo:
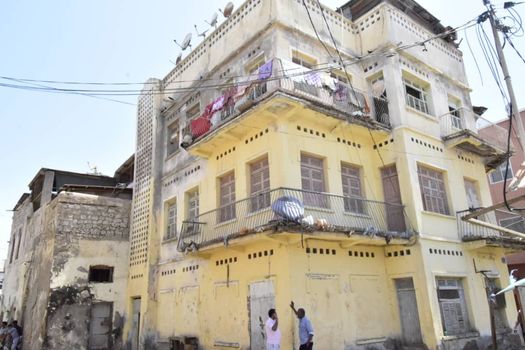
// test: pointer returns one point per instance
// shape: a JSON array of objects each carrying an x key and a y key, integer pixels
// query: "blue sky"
[{"x": 124, "y": 41}]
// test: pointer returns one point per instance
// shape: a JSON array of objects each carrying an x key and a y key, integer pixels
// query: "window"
[
  {"x": 451, "y": 299},
  {"x": 259, "y": 185},
  {"x": 18, "y": 243},
  {"x": 499, "y": 173},
  {"x": 471, "y": 189},
  {"x": 416, "y": 95},
  {"x": 312, "y": 179},
  {"x": 433, "y": 191},
  {"x": 191, "y": 113},
  {"x": 173, "y": 138},
  {"x": 193, "y": 204},
  {"x": 516, "y": 223},
  {"x": 227, "y": 197},
  {"x": 11, "y": 254},
  {"x": 171, "y": 225},
  {"x": 351, "y": 179},
  {"x": 303, "y": 60},
  {"x": 454, "y": 108},
  {"x": 100, "y": 274},
  {"x": 340, "y": 76},
  {"x": 252, "y": 68}
]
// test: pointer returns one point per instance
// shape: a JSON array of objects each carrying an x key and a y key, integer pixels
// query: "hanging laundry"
[
  {"x": 265, "y": 71},
  {"x": 229, "y": 96},
  {"x": 293, "y": 71},
  {"x": 328, "y": 82},
  {"x": 217, "y": 104},
  {"x": 313, "y": 78},
  {"x": 200, "y": 126},
  {"x": 341, "y": 92}
]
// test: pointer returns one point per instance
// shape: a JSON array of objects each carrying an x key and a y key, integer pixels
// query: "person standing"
[
  {"x": 15, "y": 337},
  {"x": 306, "y": 331},
  {"x": 273, "y": 333},
  {"x": 3, "y": 335}
]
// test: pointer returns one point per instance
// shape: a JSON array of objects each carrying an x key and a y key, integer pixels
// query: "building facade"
[
  {"x": 266, "y": 172},
  {"x": 66, "y": 270}
]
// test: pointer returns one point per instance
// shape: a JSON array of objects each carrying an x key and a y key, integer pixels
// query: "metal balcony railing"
[
  {"x": 355, "y": 104},
  {"x": 470, "y": 231},
  {"x": 254, "y": 214},
  {"x": 463, "y": 121},
  {"x": 417, "y": 103}
]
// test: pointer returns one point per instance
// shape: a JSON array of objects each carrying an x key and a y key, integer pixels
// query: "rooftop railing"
[{"x": 329, "y": 212}]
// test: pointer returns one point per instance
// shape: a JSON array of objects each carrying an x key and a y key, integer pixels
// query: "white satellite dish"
[
  {"x": 185, "y": 43},
  {"x": 228, "y": 9},
  {"x": 203, "y": 34},
  {"x": 213, "y": 20}
]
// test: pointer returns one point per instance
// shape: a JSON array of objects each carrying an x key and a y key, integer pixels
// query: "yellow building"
[{"x": 383, "y": 155}]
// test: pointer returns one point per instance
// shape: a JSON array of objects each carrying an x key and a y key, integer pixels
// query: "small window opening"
[{"x": 100, "y": 274}]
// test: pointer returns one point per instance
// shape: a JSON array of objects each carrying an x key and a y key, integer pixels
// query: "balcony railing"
[
  {"x": 417, "y": 103},
  {"x": 470, "y": 231},
  {"x": 463, "y": 122},
  {"x": 329, "y": 212},
  {"x": 354, "y": 104}
]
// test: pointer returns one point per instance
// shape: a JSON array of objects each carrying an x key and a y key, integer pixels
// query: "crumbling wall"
[
  {"x": 37, "y": 282},
  {"x": 68, "y": 314},
  {"x": 91, "y": 230}
]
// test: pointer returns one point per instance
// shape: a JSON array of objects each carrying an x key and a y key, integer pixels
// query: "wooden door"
[
  {"x": 408, "y": 311},
  {"x": 395, "y": 217},
  {"x": 262, "y": 299},
  {"x": 100, "y": 326}
]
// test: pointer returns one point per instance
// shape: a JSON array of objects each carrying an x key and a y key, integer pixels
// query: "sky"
[{"x": 129, "y": 41}]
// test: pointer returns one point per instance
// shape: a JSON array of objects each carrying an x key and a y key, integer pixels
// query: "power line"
[
  {"x": 323, "y": 66},
  {"x": 315, "y": 30}
]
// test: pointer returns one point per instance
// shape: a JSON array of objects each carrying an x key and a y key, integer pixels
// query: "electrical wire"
[
  {"x": 322, "y": 67},
  {"x": 315, "y": 30},
  {"x": 339, "y": 55}
]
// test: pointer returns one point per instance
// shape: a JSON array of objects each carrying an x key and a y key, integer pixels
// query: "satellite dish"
[
  {"x": 179, "y": 58},
  {"x": 213, "y": 20},
  {"x": 228, "y": 9},
  {"x": 185, "y": 43},
  {"x": 203, "y": 34}
]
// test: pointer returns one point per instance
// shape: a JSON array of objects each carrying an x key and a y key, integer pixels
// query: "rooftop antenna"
[
  {"x": 185, "y": 43},
  {"x": 228, "y": 9},
  {"x": 93, "y": 169},
  {"x": 203, "y": 34},
  {"x": 213, "y": 20}
]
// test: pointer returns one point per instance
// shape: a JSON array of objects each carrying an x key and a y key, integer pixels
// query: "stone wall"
[{"x": 91, "y": 230}]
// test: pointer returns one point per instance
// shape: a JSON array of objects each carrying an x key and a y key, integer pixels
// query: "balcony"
[
  {"x": 469, "y": 231},
  {"x": 340, "y": 101},
  {"x": 346, "y": 216},
  {"x": 483, "y": 137},
  {"x": 488, "y": 232}
]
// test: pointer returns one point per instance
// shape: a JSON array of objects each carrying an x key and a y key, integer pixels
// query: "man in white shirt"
[{"x": 273, "y": 333}]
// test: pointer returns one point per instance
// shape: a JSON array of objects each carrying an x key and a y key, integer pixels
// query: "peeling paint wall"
[
  {"x": 91, "y": 230},
  {"x": 49, "y": 282}
]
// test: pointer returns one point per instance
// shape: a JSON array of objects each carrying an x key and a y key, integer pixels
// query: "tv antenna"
[
  {"x": 93, "y": 169},
  {"x": 185, "y": 43},
  {"x": 213, "y": 20},
  {"x": 228, "y": 9},
  {"x": 203, "y": 33}
]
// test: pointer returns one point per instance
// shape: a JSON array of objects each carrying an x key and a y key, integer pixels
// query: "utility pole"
[{"x": 503, "y": 63}]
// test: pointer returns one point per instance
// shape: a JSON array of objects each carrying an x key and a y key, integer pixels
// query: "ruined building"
[
  {"x": 266, "y": 172},
  {"x": 66, "y": 270}
]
